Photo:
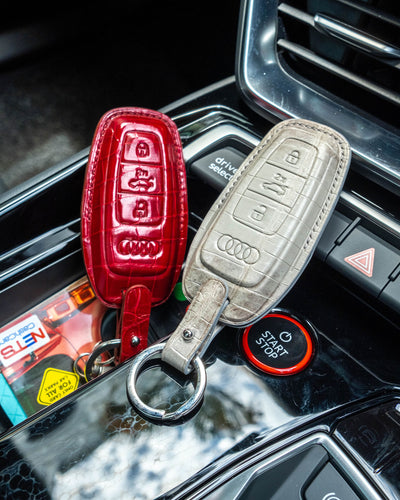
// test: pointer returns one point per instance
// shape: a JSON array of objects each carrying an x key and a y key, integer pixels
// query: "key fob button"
[
  {"x": 294, "y": 155},
  {"x": 277, "y": 184},
  {"x": 260, "y": 213},
  {"x": 141, "y": 180},
  {"x": 142, "y": 147},
  {"x": 140, "y": 210}
]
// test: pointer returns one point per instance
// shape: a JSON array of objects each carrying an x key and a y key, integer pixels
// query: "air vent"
[{"x": 348, "y": 48}]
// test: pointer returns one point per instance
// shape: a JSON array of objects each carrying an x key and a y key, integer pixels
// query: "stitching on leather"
[
  {"x": 332, "y": 192},
  {"x": 263, "y": 144},
  {"x": 337, "y": 177},
  {"x": 89, "y": 188}
]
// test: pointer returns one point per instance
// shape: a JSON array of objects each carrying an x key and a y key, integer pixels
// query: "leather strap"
[
  {"x": 195, "y": 331},
  {"x": 134, "y": 322}
]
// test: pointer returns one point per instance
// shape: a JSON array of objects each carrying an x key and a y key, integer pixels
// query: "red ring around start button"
[{"x": 278, "y": 344}]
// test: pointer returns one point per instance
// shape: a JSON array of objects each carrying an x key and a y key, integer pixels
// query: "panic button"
[{"x": 278, "y": 344}]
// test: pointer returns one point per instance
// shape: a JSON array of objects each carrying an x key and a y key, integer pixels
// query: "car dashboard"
[{"x": 327, "y": 429}]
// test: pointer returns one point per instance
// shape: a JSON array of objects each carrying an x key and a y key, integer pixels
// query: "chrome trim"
[
  {"x": 298, "y": 14},
  {"x": 203, "y": 123},
  {"x": 197, "y": 94},
  {"x": 38, "y": 258},
  {"x": 207, "y": 111},
  {"x": 344, "y": 32},
  {"x": 194, "y": 123},
  {"x": 335, "y": 69},
  {"x": 216, "y": 134},
  {"x": 270, "y": 90},
  {"x": 371, "y": 213},
  {"x": 355, "y": 37},
  {"x": 233, "y": 482},
  {"x": 18, "y": 195},
  {"x": 372, "y": 11}
]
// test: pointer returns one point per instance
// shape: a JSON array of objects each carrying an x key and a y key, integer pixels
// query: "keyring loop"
[
  {"x": 162, "y": 415},
  {"x": 76, "y": 367},
  {"x": 98, "y": 350}
]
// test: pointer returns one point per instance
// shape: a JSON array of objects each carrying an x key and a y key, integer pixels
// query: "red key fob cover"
[{"x": 134, "y": 207}]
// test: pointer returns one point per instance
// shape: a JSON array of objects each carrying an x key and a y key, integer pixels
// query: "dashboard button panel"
[{"x": 365, "y": 259}]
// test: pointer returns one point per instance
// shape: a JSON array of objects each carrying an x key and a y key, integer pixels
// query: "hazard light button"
[
  {"x": 365, "y": 259},
  {"x": 278, "y": 344}
]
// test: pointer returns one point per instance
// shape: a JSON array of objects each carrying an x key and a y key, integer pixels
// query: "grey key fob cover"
[{"x": 264, "y": 227}]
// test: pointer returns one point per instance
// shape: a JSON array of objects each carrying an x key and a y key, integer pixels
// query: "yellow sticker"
[{"x": 55, "y": 385}]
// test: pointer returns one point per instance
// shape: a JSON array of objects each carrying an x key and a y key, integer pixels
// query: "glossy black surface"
[
  {"x": 94, "y": 440},
  {"x": 42, "y": 251},
  {"x": 93, "y": 445}
]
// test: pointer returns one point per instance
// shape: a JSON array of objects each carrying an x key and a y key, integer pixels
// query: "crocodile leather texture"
[
  {"x": 134, "y": 322},
  {"x": 196, "y": 326},
  {"x": 134, "y": 208},
  {"x": 262, "y": 230}
]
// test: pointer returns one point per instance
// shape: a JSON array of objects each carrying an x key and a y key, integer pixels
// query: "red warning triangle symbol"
[{"x": 363, "y": 261}]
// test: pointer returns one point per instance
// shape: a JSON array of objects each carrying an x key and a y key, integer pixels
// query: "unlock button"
[
  {"x": 260, "y": 213},
  {"x": 140, "y": 210}
]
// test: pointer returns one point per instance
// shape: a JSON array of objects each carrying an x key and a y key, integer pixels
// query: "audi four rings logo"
[
  {"x": 145, "y": 248},
  {"x": 236, "y": 248}
]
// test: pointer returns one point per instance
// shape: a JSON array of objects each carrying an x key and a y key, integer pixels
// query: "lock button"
[
  {"x": 258, "y": 212},
  {"x": 294, "y": 156},
  {"x": 142, "y": 147}
]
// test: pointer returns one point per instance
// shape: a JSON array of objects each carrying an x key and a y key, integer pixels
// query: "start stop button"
[{"x": 278, "y": 344}]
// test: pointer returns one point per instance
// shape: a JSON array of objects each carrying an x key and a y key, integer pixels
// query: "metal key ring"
[
  {"x": 99, "y": 349},
  {"x": 162, "y": 415},
  {"x": 76, "y": 367}
]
